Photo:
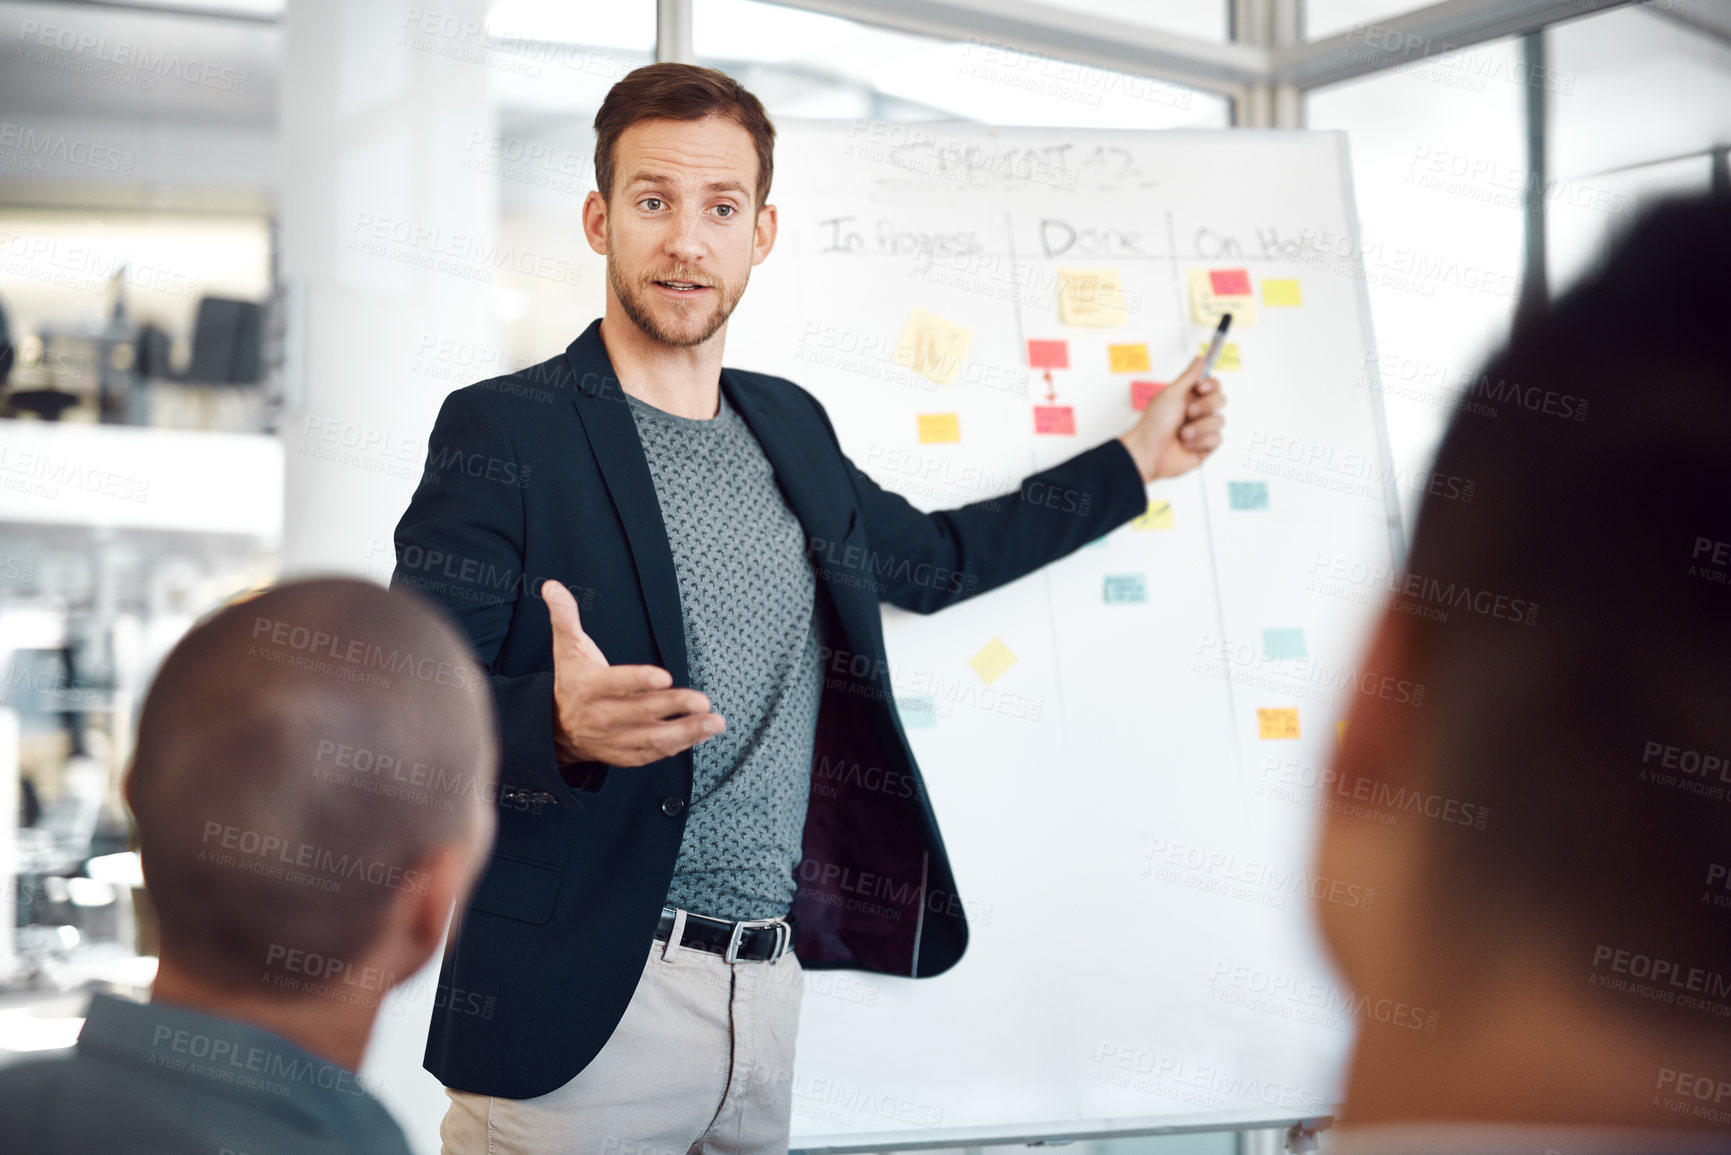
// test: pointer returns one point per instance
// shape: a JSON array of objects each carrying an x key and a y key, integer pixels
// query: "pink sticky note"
[
  {"x": 1048, "y": 354},
  {"x": 1229, "y": 282},
  {"x": 1054, "y": 419},
  {"x": 1142, "y": 392}
]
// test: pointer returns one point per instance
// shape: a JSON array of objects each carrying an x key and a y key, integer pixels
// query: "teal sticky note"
[
  {"x": 1247, "y": 494},
  {"x": 1126, "y": 589},
  {"x": 918, "y": 711},
  {"x": 1278, "y": 644},
  {"x": 1099, "y": 541}
]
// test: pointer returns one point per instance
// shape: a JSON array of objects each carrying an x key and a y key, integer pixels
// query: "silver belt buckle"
[{"x": 783, "y": 937}]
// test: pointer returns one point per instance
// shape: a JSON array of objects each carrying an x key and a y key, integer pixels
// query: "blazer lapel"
[
  {"x": 618, "y": 450},
  {"x": 613, "y": 438},
  {"x": 794, "y": 469}
]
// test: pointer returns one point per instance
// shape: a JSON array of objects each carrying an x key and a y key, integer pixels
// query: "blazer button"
[{"x": 672, "y": 805}]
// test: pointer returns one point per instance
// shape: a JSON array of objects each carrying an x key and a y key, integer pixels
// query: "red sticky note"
[
  {"x": 1142, "y": 392},
  {"x": 1048, "y": 354},
  {"x": 1229, "y": 282},
  {"x": 1054, "y": 419}
]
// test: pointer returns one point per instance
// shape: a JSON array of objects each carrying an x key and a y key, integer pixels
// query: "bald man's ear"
[
  {"x": 445, "y": 879},
  {"x": 415, "y": 928}
]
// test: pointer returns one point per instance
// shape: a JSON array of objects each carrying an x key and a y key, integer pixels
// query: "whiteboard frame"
[
  {"x": 1373, "y": 364},
  {"x": 1069, "y": 1131}
]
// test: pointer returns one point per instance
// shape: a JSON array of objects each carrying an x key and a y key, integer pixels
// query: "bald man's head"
[{"x": 301, "y": 757}]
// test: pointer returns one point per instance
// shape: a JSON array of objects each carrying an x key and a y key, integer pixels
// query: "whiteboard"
[{"x": 1111, "y": 790}]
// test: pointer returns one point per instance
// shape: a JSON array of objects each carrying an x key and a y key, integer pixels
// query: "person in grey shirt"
[
  {"x": 154, "y": 1077},
  {"x": 735, "y": 542},
  {"x": 313, "y": 785}
]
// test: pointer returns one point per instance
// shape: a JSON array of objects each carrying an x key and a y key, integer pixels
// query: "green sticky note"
[
  {"x": 1247, "y": 494},
  {"x": 918, "y": 711},
  {"x": 1279, "y": 644},
  {"x": 1126, "y": 589}
]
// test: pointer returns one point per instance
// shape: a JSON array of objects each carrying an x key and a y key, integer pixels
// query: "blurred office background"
[{"x": 246, "y": 247}]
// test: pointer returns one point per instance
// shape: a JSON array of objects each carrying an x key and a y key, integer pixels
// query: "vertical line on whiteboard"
[
  {"x": 1180, "y": 291},
  {"x": 1033, "y": 464}
]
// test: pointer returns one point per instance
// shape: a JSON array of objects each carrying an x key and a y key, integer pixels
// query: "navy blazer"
[{"x": 540, "y": 474}]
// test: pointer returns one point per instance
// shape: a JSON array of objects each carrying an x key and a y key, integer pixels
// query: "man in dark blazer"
[{"x": 562, "y": 521}]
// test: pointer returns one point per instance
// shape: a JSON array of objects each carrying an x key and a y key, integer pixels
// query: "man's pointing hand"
[
  {"x": 616, "y": 715},
  {"x": 1180, "y": 427}
]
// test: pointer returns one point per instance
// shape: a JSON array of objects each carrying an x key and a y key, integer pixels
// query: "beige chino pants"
[{"x": 702, "y": 1062}]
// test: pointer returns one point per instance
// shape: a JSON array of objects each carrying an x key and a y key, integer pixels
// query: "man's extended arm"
[{"x": 926, "y": 561}]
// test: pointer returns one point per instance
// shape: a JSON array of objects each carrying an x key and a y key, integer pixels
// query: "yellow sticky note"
[
  {"x": 1158, "y": 515},
  {"x": 1206, "y": 305},
  {"x": 992, "y": 661},
  {"x": 932, "y": 346},
  {"x": 1228, "y": 352},
  {"x": 1340, "y": 732},
  {"x": 1090, "y": 297},
  {"x": 1128, "y": 358},
  {"x": 937, "y": 428},
  {"x": 1277, "y": 722},
  {"x": 1280, "y": 291}
]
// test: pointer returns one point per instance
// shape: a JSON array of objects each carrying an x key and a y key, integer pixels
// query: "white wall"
[{"x": 387, "y": 250}]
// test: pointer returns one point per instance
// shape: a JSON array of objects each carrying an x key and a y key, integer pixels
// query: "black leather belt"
[{"x": 749, "y": 940}]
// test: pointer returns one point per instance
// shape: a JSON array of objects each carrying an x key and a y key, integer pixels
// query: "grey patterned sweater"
[{"x": 748, "y": 597}]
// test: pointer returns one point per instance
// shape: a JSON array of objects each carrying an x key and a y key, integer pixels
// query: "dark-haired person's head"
[
  {"x": 1556, "y": 894},
  {"x": 311, "y": 783}
]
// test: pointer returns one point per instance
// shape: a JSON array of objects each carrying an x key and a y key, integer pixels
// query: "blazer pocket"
[
  {"x": 528, "y": 824},
  {"x": 516, "y": 888}
]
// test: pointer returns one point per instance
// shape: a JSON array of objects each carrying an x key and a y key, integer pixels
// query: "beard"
[{"x": 688, "y": 324}]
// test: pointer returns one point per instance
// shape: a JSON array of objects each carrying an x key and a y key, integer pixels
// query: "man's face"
[{"x": 683, "y": 210}]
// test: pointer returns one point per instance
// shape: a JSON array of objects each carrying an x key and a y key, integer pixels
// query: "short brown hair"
[{"x": 672, "y": 91}]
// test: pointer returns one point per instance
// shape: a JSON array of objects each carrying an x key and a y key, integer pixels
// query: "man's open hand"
[
  {"x": 617, "y": 715},
  {"x": 1180, "y": 426}
]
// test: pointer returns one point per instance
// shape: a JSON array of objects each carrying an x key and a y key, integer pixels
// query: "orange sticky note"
[
  {"x": 1054, "y": 419},
  {"x": 1128, "y": 358},
  {"x": 1142, "y": 392},
  {"x": 937, "y": 428},
  {"x": 1277, "y": 722}
]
